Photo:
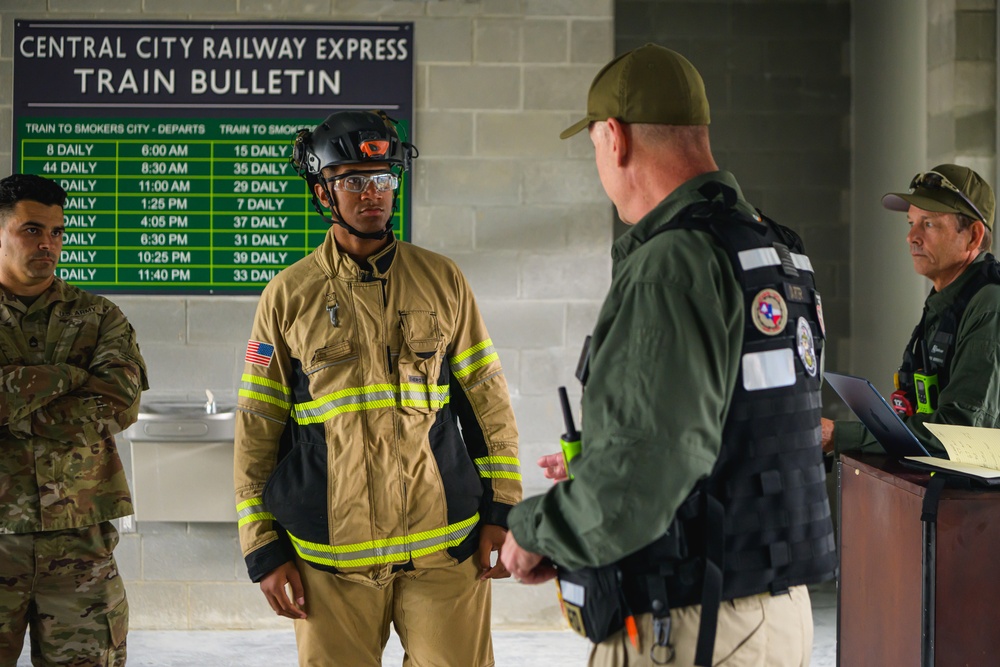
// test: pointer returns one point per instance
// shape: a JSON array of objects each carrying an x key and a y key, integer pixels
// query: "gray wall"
[
  {"x": 819, "y": 107},
  {"x": 521, "y": 212}
]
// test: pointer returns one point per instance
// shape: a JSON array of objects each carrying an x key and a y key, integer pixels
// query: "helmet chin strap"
[{"x": 338, "y": 219}]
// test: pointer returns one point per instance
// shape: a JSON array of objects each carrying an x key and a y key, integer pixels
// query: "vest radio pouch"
[{"x": 592, "y": 601}]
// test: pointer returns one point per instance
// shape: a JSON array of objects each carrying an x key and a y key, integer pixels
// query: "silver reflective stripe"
[
  {"x": 388, "y": 550},
  {"x": 760, "y": 257},
  {"x": 767, "y": 370},
  {"x": 359, "y": 399}
]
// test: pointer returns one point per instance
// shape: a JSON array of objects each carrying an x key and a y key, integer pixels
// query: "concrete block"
[
  {"x": 111, "y": 6},
  {"x": 591, "y": 41},
  {"x": 501, "y": 7},
  {"x": 467, "y": 87},
  {"x": 579, "y": 144},
  {"x": 564, "y": 277},
  {"x": 976, "y": 35},
  {"x": 208, "y": 552},
  {"x": 581, "y": 316},
  {"x": 519, "y": 134},
  {"x": 543, "y": 371},
  {"x": 454, "y": 8},
  {"x": 962, "y": 5},
  {"x": 292, "y": 8},
  {"x": 444, "y": 133},
  {"x": 21, "y": 6},
  {"x": 468, "y": 182},
  {"x": 198, "y": 7},
  {"x": 497, "y": 40},
  {"x": 941, "y": 89},
  {"x": 187, "y": 368},
  {"x": 365, "y": 9},
  {"x": 975, "y": 85},
  {"x": 558, "y": 88},
  {"x": 524, "y": 324},
  {"x": 598, "y": 8},
  {"x": 976, "y": 133},
  {"x": 442, "y": 40},
  {"x": 517, "y": 227},
  {"x": 517, "y": 606},
  {"x": 6, "y": 74},
  {"x": 545, "y": 40},
  {"x": 805, "y": 57},
  {"x": 492, "y": 275},
  {"x": 444, "y": 229},
  {"x": 221, "y": 320},
  {"x": 780, "y": 19},
  {"x": 941, "y": 43},
  {"x": 232, "y": 606},
  {"x": 128, "y": 557},
  {"x": 156, "y": 319},
  {"x": 539, "y": 418},
  {"x": 157, "y": 606},
  {"x": 562, "y": 182}
]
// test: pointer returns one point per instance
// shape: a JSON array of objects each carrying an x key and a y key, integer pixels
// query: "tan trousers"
[
  {"x": 442, "y": 617},
  {"x": 755, "y": 631}
]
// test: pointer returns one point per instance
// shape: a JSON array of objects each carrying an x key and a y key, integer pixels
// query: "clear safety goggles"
[
  {"x": 932, "y": 180},
  {"x": 357, "y": 181}
]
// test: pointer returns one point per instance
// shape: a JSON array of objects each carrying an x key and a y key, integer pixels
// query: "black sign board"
[{"x": 173, "y": 141}]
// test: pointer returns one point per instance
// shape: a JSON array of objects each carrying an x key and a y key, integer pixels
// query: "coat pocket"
[{"x": 422, "y": 390}]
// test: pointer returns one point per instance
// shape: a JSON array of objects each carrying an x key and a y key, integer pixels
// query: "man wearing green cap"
[
  {"x": 950, "y": 372},
  {"x": 697, "y": 511}
]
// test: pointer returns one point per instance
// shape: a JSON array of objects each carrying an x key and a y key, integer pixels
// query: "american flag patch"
[{"x": 259, "y": 353}]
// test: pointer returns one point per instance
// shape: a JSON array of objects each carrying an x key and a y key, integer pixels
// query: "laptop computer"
[{"x": 876, "y": 414}]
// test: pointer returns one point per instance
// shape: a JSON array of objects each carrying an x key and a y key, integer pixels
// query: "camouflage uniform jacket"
[{"x": 71, "y": 379}]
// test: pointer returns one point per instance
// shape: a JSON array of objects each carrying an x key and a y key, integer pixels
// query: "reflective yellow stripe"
[
  {"x": 498, "y": 467},
  {"x": 371, "y": 397},
  {"x": 477, "y": 356},
  {"x": 389, "y": 550},
  {"x": 252, "y": 510},
  {"x": 265, "y": 390}
]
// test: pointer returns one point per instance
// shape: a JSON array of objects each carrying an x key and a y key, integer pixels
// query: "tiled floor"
[{"x": 523, "y": 649}]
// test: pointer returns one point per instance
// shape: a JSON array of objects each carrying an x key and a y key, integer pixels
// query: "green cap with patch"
[
  {"x": 650, "y": 84},
  {"x": 947, "y": 188}
]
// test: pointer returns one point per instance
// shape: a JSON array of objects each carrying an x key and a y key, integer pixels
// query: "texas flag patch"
[{"x": 259, "y": 353}]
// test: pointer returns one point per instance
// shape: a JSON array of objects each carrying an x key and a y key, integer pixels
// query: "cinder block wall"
[
  {"x": 778, "y": 80},
  {"x": 962, "y": 84},
  {"x": 522, "y": 213}
]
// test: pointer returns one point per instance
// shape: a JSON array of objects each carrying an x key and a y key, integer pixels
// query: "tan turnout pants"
[
  {"x": 755, "y": 631},
  {"x": 442, "y": 617}
]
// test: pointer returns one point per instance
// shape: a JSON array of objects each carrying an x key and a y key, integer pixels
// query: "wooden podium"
[{"x": 911, "y": 592}]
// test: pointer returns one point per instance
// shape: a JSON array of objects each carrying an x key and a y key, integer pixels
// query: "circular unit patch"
[
  {"x": 805, "y": 345},
  {"x": 769, "y": 312}
]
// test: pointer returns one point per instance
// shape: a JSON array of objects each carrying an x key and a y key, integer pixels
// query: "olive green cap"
[
  {"x": 975, "y": 190},
  {"x": 650, "y": 84}
]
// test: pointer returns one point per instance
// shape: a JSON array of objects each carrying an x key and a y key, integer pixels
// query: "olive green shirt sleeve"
[
  {"x": 665, "y": 356},
  {"x": 972, "y": 395}
]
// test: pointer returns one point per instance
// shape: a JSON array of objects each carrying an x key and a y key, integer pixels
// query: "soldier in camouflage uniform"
[{"x": 71, "y": 378}]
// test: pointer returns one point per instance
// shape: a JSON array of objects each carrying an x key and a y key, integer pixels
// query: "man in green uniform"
[
  {"x": 71, "y": 378},
  {"x": 700, "y": 477},
  {"x": 951, "y": 368}
]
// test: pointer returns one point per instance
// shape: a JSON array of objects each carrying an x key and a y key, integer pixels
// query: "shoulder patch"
[{"x": 769, "y": 312}]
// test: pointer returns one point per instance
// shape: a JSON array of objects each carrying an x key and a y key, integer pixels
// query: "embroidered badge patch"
[
  {"x": 769, "y": 312},
  {"x": 804, "y": 343},
  {"x": 259, "y": 353}
]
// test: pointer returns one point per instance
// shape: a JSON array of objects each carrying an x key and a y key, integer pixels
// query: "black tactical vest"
[{"x": 761, "y": 521}]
